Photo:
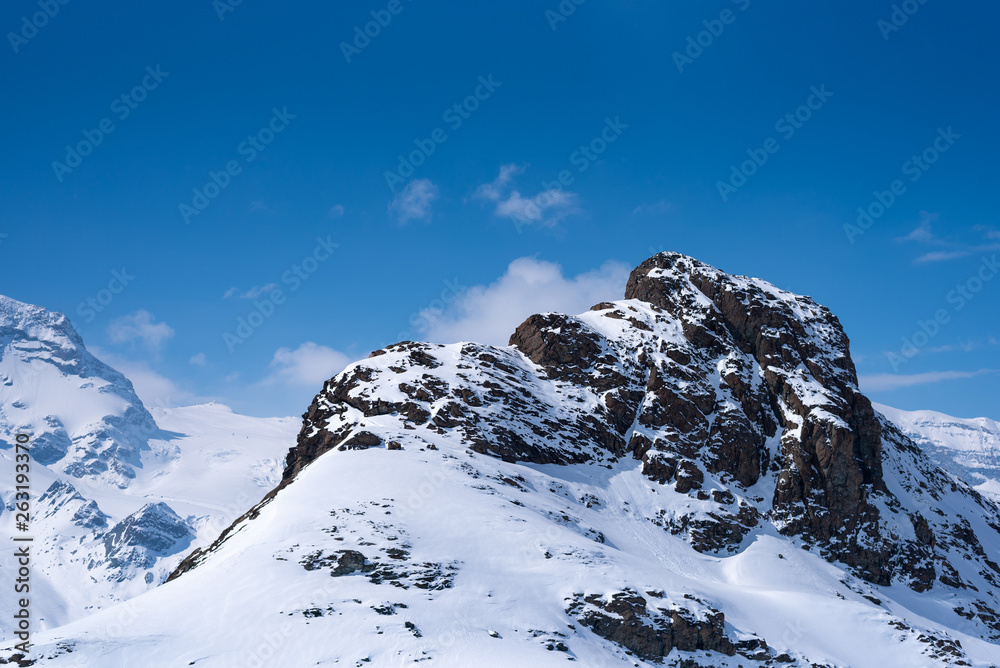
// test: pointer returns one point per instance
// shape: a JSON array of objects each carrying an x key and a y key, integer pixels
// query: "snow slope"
[{"x": 483, "y": 558}]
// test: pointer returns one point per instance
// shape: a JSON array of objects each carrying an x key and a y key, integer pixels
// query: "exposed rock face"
[
  {"x": 650, "y": 632},
  {"x": 735, "y": 393},
  {"x": 806, "y": 386},
  {"x": 152, "y": 531},
  {"x": 62, "y": 494}
]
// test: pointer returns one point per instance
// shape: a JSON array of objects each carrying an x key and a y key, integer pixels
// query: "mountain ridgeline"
[{"x": 689, "y": 476}]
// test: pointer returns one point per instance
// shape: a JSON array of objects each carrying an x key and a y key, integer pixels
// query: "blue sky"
[{"x": 261, "y": 147}]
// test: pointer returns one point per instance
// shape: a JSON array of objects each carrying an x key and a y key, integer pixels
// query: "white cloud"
[
  {"x": 961, "y": 346},
  {"x": 259, "y": 206},
  {"x": 547, "y": 207},
  {"x": 198, "y": 359},
  {"x": 252, "y": 293},
  {"x": 656, "y": 208},
  {"x": 309, "y": 364},
  {"x": 153, "y": 388},
  {"x": 336, "y": 211},
  {"x": 140, "y": 326},
  {"x": 490, "y": 313},
  {"x": 942, "y": 256},
  {"x": 414, "y": 201},
  {"x": 890, "y": 381},
  {"x": 258, "y": 291},
  {"x": 924, "y": 234},
  {"x": 495, "y": 191}
]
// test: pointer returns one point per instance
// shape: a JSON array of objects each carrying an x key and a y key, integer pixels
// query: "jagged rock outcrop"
[
  {"x": 152, "y": 531},
  {"x": 717, "y": 383}
]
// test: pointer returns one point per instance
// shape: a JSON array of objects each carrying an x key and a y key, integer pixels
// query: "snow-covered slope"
[
  {"x": 118, "y": 497},
  {"x": 687, "y": 477},
  {"x": 969, "y": 448}
]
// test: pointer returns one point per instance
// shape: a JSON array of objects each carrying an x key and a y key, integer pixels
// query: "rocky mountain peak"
[{"x": 731, "y": 406}]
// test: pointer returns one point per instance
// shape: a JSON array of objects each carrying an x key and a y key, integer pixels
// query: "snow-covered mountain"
[
  {"x": 119, "y": 494},
  {"x": 84, "y": 416},
  {"x": 969, "y": 448},
  {"x": 687, "y": 477}
]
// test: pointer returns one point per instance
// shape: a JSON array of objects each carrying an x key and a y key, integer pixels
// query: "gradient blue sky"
[{"x": 447, "y": 238}]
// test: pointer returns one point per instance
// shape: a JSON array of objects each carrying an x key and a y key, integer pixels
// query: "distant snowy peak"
[
  {"x": 61, "y": 496},
  {"x": 83, "y": 416},
  {"x": 151, "y": 532},
  {"x": 968, "y": 448}
]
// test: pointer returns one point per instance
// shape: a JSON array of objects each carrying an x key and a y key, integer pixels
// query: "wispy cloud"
[
  {"x": 923, "y": 233},
  {"x": 152, "y": 387},
  {"x": 336, "y": 211},
  {"x": 890, "y": 381},
  {"x": 656, "y": 209},
  {"x": 198, "y": 360},
  {"x": 961, "y": 346},
  {"x": 949, "y": 249},
  {"x": 495, "y": 191},
  {"x": 414, "y": 201},
  {"x": 253, "y": 293},
  {"x": 140, "y": 326},
  {"x": 547, "y": 207},
  {"x": 988, "y": 232}
]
